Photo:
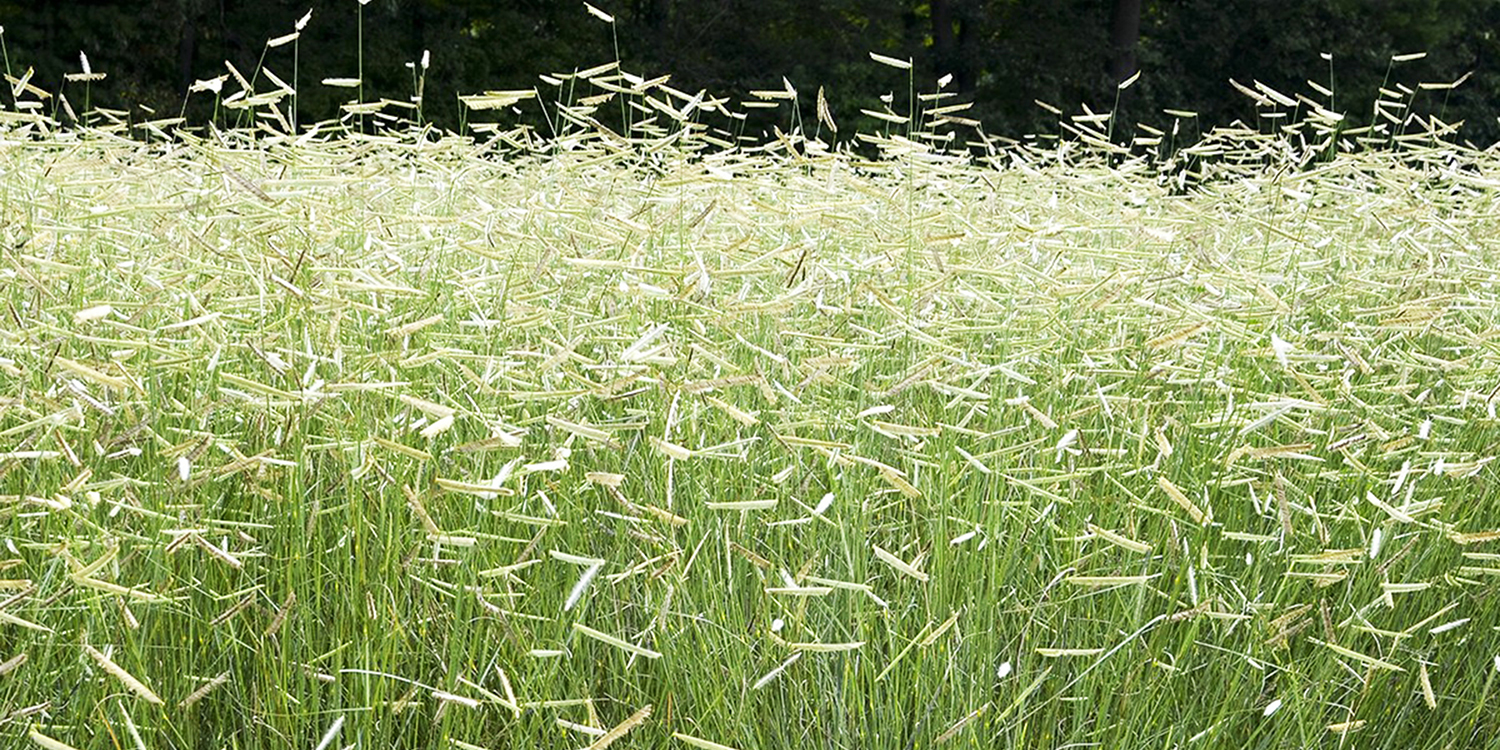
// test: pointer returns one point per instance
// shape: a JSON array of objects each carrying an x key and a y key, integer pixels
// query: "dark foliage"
[{"x": 1002, "y": 54}]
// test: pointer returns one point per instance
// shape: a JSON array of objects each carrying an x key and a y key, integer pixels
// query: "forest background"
[{"x": 1004, "y": 55}]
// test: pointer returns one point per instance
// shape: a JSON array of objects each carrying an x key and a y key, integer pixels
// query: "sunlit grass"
[{"x": 324, "y": 440}]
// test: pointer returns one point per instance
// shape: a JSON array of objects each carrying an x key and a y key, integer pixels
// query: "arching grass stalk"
[
  {"x": 419, "y": 82},
  {"x": 1447, "y": 89},
  {"x": 1332, "y": 105},
  {"x": 911, "y": 189},
  {"x": 360, "y": 61},
  {"x": 614, "y": 35},
  {"x": 911, "y": 101},
  {"x": 794, "y": 119},
  {"x": 6, "y": 53},
  {"x": 911, "y": 115},
  {"x": 1377, "y": 113},
  {"x": 254, "y": 79},
  {"x": 87, "y": 77},
  {"x": 293, "y": 39},
  {"x": 297, "y": 65},
  {"x": 1114, "y": 113},
  {"x": 216, "y": 85}
]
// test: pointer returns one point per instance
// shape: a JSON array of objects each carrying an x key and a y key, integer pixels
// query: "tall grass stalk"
[
  {"x": 5, "y": 53},
  {"x": 360, "y": 57}
]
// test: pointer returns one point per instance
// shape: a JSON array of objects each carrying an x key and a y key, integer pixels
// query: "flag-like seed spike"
[
  {"x": 621, "y": 729},
  {"x": 619, "y": 643},
  {"x": 1181, "y": 498},
  {"x": 202, "y": 692},
  {"x": 900, "y": 565},
  {"x": 119, "y": 673},
  {"x": 47, "y": 743}
]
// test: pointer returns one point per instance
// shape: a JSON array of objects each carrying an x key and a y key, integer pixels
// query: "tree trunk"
[
  {"x": 187, "y": 50},
  {"x": 951, "y": 50},
  {"x": 1124, "y": 32},
  {"x": 968, "y": 15},
  {"x": 943, "y": 48}
]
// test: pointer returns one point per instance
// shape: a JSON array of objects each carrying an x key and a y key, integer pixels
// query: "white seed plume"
[
  {"x": 599, "y": 14},
  {"x": 771, "y": 675},
  {"x": 1447, "y": 626},
  {"x": 333, "y": 731},
  {"x": 1281, "y": 348},
  {"x": 93, "y": 313},
  {"x": 823, "y": 504},
  {"x": 1064, "y": 445},
  {"x": 582, "y": 586}
]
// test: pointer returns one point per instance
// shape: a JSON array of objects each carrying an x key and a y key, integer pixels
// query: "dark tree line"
[{"x": 1004, "y": 55}]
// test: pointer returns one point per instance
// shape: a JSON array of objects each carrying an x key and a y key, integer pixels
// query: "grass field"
[{"x": 335, "y": 440}]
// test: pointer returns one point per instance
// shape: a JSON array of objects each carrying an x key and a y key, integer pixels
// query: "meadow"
[{"x": 359, "y": 434}]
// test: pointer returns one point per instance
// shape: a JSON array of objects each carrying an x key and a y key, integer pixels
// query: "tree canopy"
[{"x": 1003, "y": 55}]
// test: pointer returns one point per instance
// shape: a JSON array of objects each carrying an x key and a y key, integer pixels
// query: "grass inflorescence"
[{"x": 407, "y": 439}]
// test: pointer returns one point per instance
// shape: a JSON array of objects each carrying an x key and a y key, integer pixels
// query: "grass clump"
[{"x": 651, "y": 439}]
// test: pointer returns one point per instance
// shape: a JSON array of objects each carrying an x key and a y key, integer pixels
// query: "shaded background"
[{"x": 1003, "y": 54}]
